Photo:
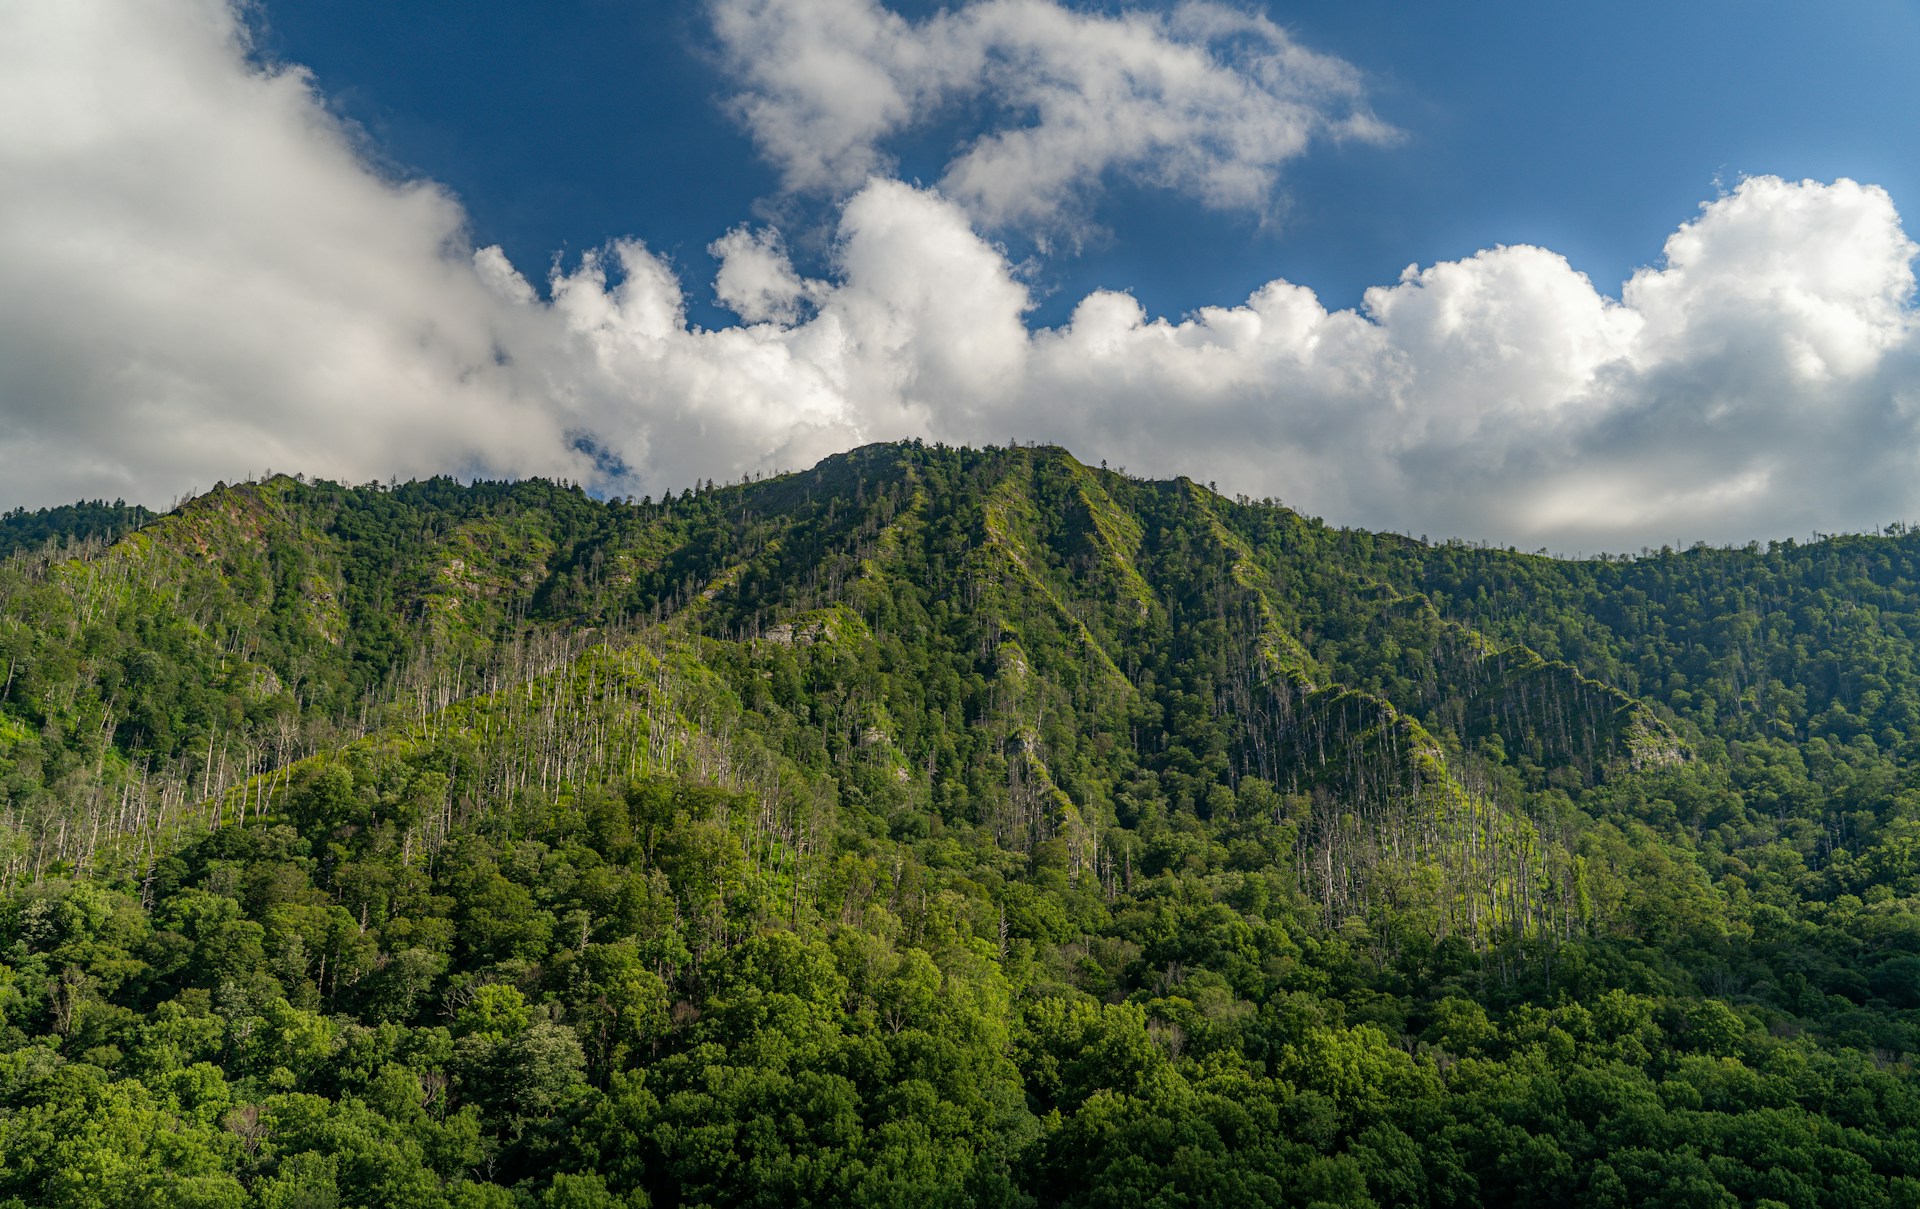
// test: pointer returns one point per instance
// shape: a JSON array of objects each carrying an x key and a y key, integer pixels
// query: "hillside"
[{"x": 946, "y": 826}]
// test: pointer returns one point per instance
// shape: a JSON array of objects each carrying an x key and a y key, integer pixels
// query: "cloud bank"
[
  {"x": 203, "y": 277},
  {"x": 1208, "y": 100}
]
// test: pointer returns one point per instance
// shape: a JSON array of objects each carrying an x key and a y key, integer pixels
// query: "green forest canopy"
[{"x": 945, "y": 826}]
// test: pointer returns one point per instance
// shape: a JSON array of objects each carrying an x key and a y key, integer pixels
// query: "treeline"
[{"x": 68, "y": 525}]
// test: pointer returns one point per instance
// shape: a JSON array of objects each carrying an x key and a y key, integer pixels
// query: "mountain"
[{"x": 945, "y": 826}]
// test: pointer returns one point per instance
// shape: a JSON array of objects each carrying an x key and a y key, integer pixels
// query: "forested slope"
[{"x": 946, "y": 826}]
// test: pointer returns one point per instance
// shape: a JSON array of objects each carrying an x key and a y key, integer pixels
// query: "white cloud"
[
  {"x": 203, "y": 278},
  {"x": 1761, "y": 381},
  {"x": 1208, "y": 100},
  {"x": 201, "y": 273},
  {"x": 756, "y": 281}
]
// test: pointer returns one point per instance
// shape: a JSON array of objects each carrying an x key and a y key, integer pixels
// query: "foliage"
[{"x": 945, "y": 826}]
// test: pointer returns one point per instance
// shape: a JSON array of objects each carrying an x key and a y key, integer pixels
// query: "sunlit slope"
[{"x": 1004, "y": 640}]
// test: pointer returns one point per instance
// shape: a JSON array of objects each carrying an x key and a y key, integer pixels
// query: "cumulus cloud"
[
  {"x": 199, "y": 271},
  {"x": 204, "y": 277},
  {"x": 1208, "y": 100},
  {"x": 1760, "y": 380}
]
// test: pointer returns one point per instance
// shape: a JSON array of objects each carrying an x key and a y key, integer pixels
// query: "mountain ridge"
[
  {"x": 992, "y": 805},
  {"x": 212, "y": 526}
]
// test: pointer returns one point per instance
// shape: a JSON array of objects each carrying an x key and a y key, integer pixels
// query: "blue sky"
[
  {"x": 1579, "y": 277},
  {"x": 1590, "y": 129}
]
